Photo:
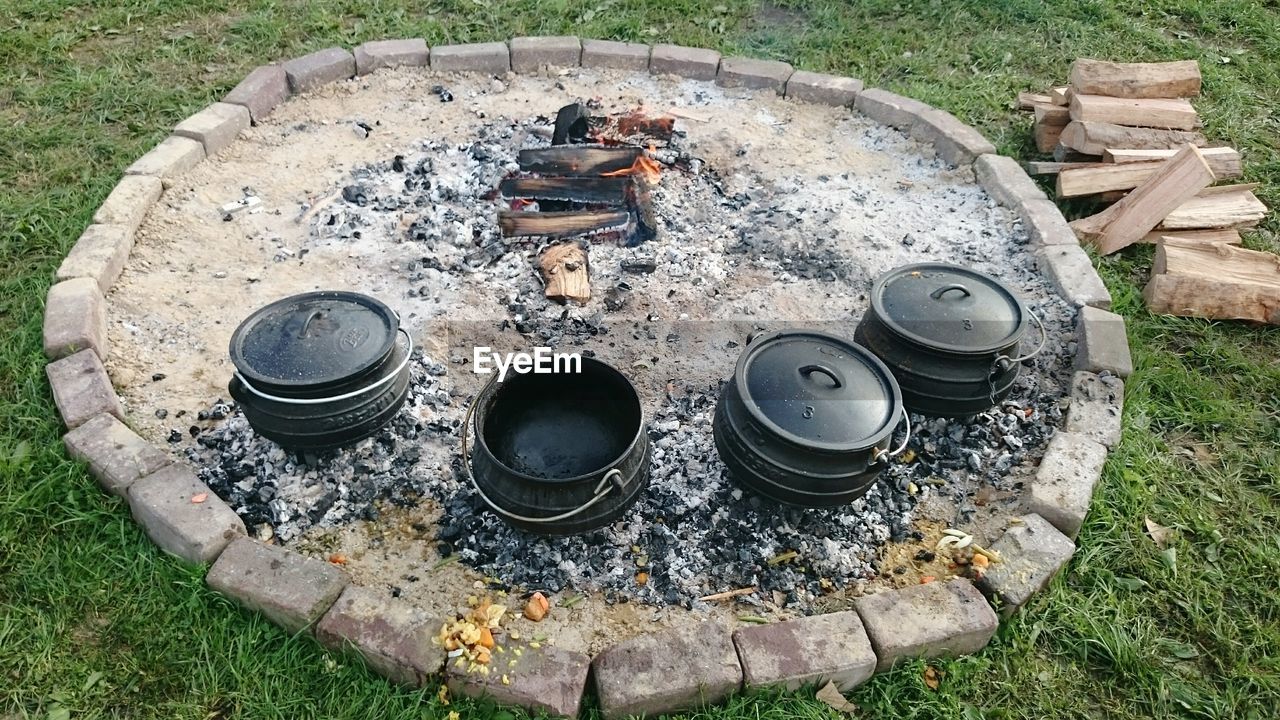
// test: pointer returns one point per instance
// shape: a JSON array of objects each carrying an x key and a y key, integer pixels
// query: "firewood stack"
[{"x": 1126, "y": 133}]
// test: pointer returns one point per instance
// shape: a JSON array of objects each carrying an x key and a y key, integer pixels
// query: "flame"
[{"x": 644, "y": 167}]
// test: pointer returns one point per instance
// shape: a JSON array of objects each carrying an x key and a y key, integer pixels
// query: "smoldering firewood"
[
  {"x": 644, "y": 224},
  {"x": 577, "y": 159},
  {"x": 560, "y": 224},
  {"x": 587, "y": 190},
  {"x": 634, "y": 128},
  {"x": 566, "y": 272},
  {"x": 571, "y": 125}
]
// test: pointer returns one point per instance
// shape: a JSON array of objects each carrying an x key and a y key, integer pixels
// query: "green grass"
[{"x": 94, "y": 621}]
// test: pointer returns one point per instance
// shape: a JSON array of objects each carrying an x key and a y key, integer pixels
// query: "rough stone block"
[
  {"x": 810, "y": 650},
  {"x": 1101, "y": 343},
  {"x": 319, "y": 68},
  {"x": 754, "y": 74},
  {"x": 1097, "y": 405},
  {"x": 412, "y": 52},
  {"x": 260, "y": 91},
  {"x": 614, "y": 55},
  {"x": 393, "y": 637},
  {"x": 938, "y": 619},
  {"x": 216, "y": 126},
  {"x": 1063, "y": 486},
  {"x": 823, "y": 89},
  {"x": 116, "y": 456},
  {"x": 81, "y": 389},
  {"x": 493, "y": 57},
  {"x": 75, "y": 319},
  {"x": 890, "y": 109},
  {"x": 1071, "y": 273},
  {"x": 129, "y": 202},
  {"x": 1045, "y": 224},
  {"x": 529, "y": 54},
  {"x": 290, "y": 589},
  {"x": 1031, "y": 553},
  {"x": 954, "y": 141},
  {"x": 545, "y": 679},
  {"x": 686, "y": 62},
  {"x": 100, "y": 254},
  {"x": 667, "y": 671},
  {"x": 1006, "y": 182},
  {"x": 163, "y": 504},
  {"x": 170, "y": 158}
]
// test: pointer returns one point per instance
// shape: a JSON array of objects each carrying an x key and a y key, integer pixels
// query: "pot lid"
[
  {"x": 818, "y": 390},
  {"x": 949, "y": 307},
  {"x": 314, "y": 339}
]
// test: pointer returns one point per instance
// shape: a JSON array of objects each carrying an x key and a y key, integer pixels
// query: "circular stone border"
[{"x": 651, "y": 674}]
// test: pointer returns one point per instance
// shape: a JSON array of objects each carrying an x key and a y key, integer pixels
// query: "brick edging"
[{"x": 312, "y": 597}]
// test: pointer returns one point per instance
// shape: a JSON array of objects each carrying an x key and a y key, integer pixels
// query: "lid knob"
[
  {"x": 808, "y": 370},
  {"x": 937, "y": 294}
]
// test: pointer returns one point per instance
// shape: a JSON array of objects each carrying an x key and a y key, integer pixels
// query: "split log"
[
  {"x": 1028, "y": 100},
  {"x": 1136, "y": 80},
  {"x": 1074, "y": 182},
  {"x": 586, "y": 190},
  {"x": 1225, "y": 161},
  {"x": 1138, "y": 213},
  {"x": 1167, "y": 113},
  {"x": 1214, "y": 281},
  {"x": 560, "y": 224},
  {"x": 1229, "y": 206},
  {"x": 565, "y": 270},
  {"x": 1225, "y": 236},
  {"x": 1060, "y": 95},
  {"x": 571, "y": 124},
  {"x": 1036, "y": 167},
  {"x": 1047, "y": 137},
  {"x": 577, "y": 159},
  {"x": 1053, "y": 115},
  {"x": 633, "y": 128},
  {"x": 1092, "y": 138}
]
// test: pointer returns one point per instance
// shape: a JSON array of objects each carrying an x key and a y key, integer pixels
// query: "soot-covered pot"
[{"x": 807, "y": 418}]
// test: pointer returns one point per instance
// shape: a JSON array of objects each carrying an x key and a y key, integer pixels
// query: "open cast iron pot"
[
  {"x": 559, "y": 453},
  {"x": 321, "y": 369},
  {"x": 807, "y": 418},
  {"x": 949, "y": 334}
]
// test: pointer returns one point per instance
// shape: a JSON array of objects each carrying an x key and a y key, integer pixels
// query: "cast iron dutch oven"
[
  {"x": 949, "y": 334},
  {"x": 321, "y": 369},
  {"x": 807, "y": 418},
  {"x": 558, "y": 453}
]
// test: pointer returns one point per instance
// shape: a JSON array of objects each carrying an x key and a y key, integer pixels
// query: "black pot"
[
  {"x": 562, "y": 453},
  {"x": 807, "y": 418},
  {"x": 320, "y": 370},
  {"x": 949, "y": 334}
]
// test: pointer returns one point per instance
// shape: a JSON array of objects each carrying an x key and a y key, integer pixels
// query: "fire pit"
[{"x": 765, "y": 215}]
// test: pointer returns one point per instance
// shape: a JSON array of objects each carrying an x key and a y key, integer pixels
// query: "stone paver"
[
  {"x": 954, "y": 141},
  {"x": 667, "y": 671},
  {"x": 393, "y": 637},
  {"x": 1006, "y": 182},
  {"x": 163, "y": 504},
  {"x": 889, "y": 109},
  {"x": 377, "y": 54},
  {"x": 1101, "y": 343},
  {"x": 319, "y": 68},
  {"x": 545, "y": 679},
  {"x": 530, "y": 54},
  {"x": 1045, "y": 224},
  {"x": 615, "y": 55},
  {"x": 938, "y": 619},
  {"x": 115, "y": 454},
  {"x": 493, "y": 57},
  {"x": 823, "y": 89},
  {"x": 809, "y": 650},
  {"x": 170, "y": 158},
  {"x": 753, "y": 73},
  {"x": 75, "y": 318},
  {"x": 100, "y": 254},
  {"x": 216, "y": 126},
  {"x": 290, "y": 589},
  {"x": 1031, "y": 553},
  {"x": 129, "y": 201},
  {"x": 265, "y": 87},
  {"x": 1063, "y": 486},
  {"x": 686, "y": 62},
  {"x": 1070, "y": 271},
  {"x": 82, "y": 389},
  {"x": 1097, "y": 406}
]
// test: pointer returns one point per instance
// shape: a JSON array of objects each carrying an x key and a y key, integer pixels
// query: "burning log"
[
  {"x": 610, "y": 191},
  {"x": 645, "y": 226},
  {"x": 577, "y": 160},
  {"x": 560, "y": 224},
  {"x": 565, "y": 271},
  {"x": 571, "y": 125},
  {"x": 634, "y": 128}
]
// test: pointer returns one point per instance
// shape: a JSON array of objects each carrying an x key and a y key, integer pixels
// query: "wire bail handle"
[
  {"x": 335, "y": 398},
  {"x": 877, "y": 454}
]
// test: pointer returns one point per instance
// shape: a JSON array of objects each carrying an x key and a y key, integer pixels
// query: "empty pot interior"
[{"x": 564, "y": 425}]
